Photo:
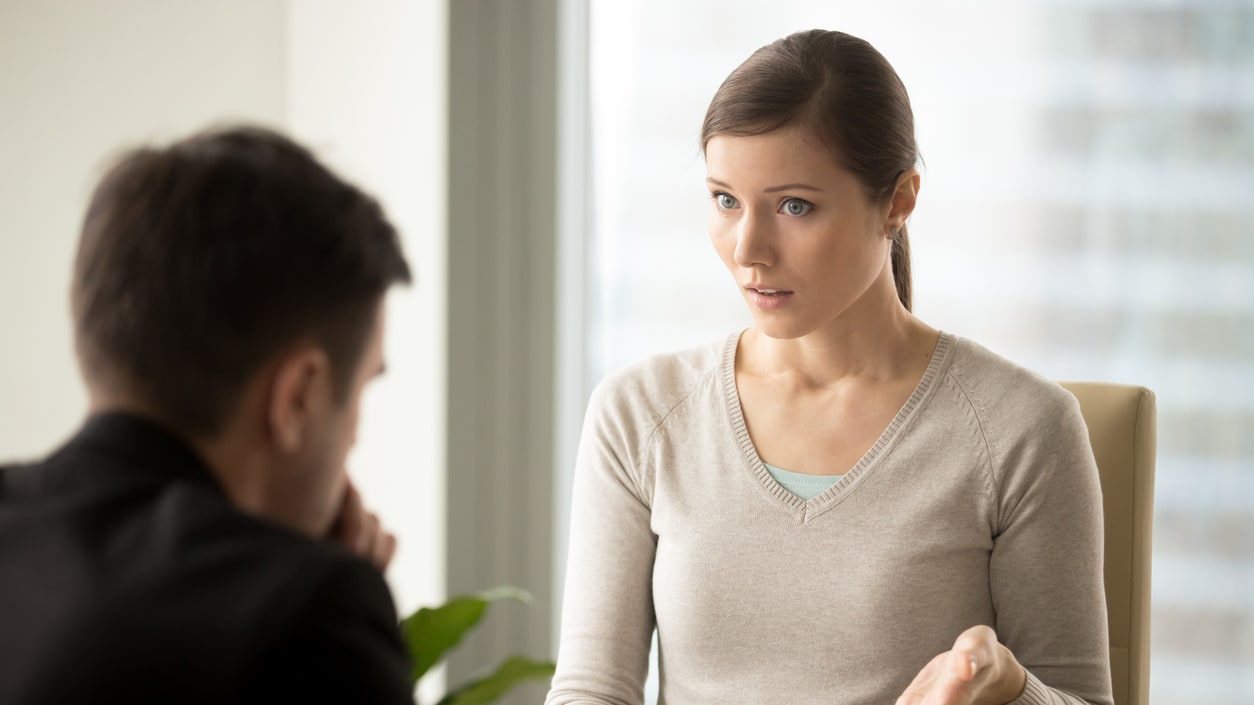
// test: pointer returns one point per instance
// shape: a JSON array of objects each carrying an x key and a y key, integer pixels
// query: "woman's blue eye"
[
  {"x": 796, "y": 206},
  {"x": 725, "y": 201}
]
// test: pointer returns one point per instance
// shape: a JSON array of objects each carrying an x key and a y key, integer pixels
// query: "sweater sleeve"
[
  {"x": 1045, "y": 570},
  {"x": 607, "y": 613}
]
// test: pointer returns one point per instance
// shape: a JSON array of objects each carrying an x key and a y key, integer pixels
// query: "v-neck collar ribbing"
[{"x": 806, "y": 510}]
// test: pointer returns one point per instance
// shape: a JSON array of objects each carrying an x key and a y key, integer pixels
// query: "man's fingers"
[
  {"x": 348, "y": 523},
  {"x": 384, "y": 557},
  {"x": 368, "y": 533},
  {"x": 378, "y": 545},
  {"x": 361, "y": 532}
]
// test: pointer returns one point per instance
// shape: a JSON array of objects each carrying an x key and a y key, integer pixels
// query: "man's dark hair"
[{"x": 200, "y": 261}]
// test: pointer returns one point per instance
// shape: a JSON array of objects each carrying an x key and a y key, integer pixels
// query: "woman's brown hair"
[{"x": 841, "y": 91}]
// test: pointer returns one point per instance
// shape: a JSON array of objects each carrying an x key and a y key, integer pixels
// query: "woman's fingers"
[{"x": 977, "y": 670}]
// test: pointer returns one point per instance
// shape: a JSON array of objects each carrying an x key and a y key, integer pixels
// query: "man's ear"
[
  {"x": 300, "y": 392},
  {"x": 901, "y": 205}
]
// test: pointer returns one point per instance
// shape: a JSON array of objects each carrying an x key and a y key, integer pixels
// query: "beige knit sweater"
[{"x": 979, "y": 504}]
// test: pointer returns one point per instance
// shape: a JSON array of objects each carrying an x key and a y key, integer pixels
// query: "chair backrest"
[{"x": 1123, "y": 432}]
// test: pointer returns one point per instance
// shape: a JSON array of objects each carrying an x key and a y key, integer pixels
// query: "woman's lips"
[{"x": 767, "y": 299}]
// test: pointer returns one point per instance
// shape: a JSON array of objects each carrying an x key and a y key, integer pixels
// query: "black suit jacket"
[{"x": 126, "y": 576}]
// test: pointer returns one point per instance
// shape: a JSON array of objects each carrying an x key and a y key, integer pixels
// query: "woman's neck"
[{"x": 888, "y": 347}]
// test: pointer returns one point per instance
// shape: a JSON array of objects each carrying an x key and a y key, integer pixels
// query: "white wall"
[
  {"x": 78, "y": 81},
  {"x": 366, "y": 89},
  {"x": 363, "y": 83}
]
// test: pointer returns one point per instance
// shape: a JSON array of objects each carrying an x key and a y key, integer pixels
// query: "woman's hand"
[{"x": 977, "y": 671}]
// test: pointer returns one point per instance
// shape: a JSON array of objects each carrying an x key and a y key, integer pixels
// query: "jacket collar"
[{"x": 142, "y": 446}]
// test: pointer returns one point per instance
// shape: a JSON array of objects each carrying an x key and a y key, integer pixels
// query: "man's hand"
[
  {"x": 359, "y": 531},
  {"x": 977, "y": 671}
]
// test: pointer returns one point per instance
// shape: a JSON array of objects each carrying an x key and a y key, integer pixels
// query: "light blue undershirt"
[{"x": 804, "y": 486}]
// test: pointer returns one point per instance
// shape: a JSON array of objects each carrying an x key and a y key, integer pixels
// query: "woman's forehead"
[{"x": 786, "y": 153}]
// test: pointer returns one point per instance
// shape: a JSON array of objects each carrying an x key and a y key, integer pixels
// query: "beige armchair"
[{"x": 1122, "y": 429}]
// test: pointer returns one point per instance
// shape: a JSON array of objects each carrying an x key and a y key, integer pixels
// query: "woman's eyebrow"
[
  {"x": 774, "y": 189},
  {"x": 792, "y": 187}
]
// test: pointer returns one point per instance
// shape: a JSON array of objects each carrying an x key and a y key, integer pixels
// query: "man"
[{"x": 198, "y": 540}]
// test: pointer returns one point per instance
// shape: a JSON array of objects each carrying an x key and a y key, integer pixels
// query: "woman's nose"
[{"x": 754, "y": 242}]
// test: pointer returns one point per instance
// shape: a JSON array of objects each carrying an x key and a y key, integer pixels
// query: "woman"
[{"x": 839, "y": 504}]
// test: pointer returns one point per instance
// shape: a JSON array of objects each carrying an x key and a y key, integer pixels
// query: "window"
[{"x": 1086, "y": 206}]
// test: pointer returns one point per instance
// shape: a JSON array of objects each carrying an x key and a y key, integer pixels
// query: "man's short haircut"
[{"x": 201, "y": 261}]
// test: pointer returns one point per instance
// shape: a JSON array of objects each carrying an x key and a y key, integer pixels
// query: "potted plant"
[{"x": 431, "y": 632}]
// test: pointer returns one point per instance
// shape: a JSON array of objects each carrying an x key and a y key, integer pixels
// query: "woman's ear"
[
  {"x": 300, "y": 393},
  {"x": 905, "y": 196}
]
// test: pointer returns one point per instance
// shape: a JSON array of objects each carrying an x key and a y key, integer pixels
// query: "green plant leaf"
[
  {"x": 432, "y": 631},
  {"x": 512, "y": 672}
]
